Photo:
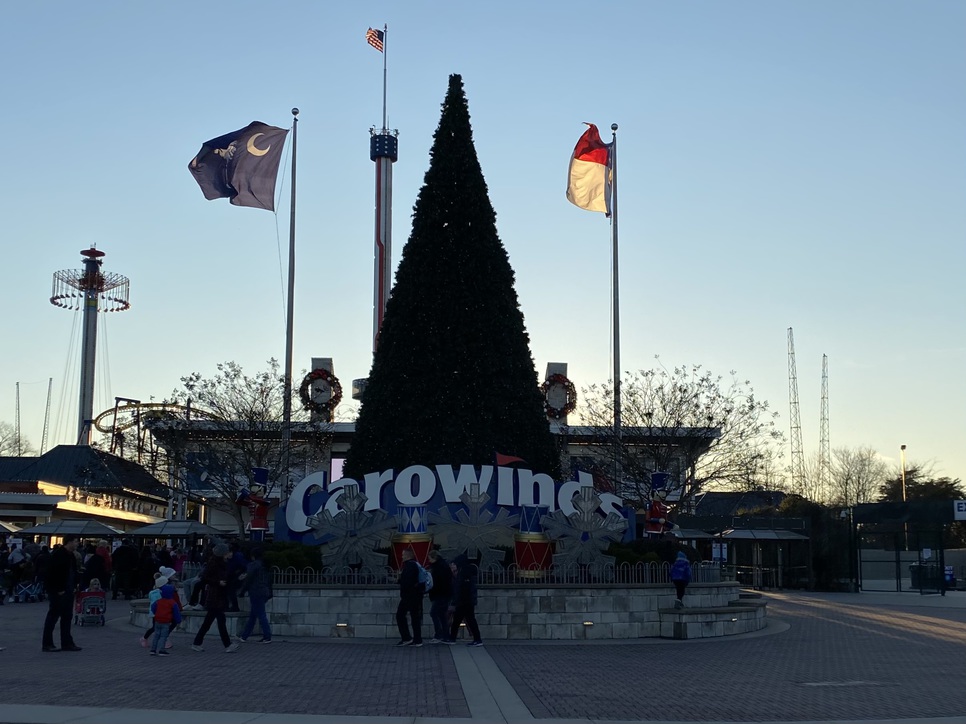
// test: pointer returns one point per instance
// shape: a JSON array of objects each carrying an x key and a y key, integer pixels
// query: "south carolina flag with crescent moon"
[
  {"x": 241, "y": 166},
  {"x": 589, "y": 183}
]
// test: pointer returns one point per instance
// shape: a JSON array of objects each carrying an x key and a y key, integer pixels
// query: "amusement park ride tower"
[{"x": 90, "y": 290}]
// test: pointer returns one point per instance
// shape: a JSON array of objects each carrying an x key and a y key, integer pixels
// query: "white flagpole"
[
  {"x": 616, "y": 313},
  {"x": 289, "y": 325}
]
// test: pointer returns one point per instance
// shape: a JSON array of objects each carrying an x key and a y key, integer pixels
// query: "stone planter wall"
[{"x": 504, "y": 612}]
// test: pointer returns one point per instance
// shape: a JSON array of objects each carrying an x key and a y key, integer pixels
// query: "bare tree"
[
  {"x": 10, "y": 446},
  {"x": 857, "y": 473},
  {"x": 235, "y": 425},
  {"x": 707, "y": 430}
]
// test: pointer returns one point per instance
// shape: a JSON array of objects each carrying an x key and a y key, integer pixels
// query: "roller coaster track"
[{"x": 123, "y": 417}]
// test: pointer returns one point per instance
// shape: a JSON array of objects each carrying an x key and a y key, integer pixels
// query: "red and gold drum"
[
  {"x": 532, "y": 548},
  {"x": 412, "y": 535}
]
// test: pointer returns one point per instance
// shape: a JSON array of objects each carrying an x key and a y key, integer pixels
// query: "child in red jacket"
[{"x": 167, "y": 614}]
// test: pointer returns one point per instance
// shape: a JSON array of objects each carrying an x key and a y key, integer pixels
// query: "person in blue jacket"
[{"x": 680, "y": 577}]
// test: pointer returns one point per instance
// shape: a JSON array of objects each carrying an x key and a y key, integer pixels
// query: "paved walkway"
[{"x": 824, "y": 657}]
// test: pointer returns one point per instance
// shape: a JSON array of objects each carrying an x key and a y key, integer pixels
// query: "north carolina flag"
[{"x": 589, "y": 184}]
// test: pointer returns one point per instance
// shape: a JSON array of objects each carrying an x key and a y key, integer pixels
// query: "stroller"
[
  {"x": 28, "y": 591},
  {"x": 89, "y": 608}
]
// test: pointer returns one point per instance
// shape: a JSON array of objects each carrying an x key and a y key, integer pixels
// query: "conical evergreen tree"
[{"x": 452, "y": 380}]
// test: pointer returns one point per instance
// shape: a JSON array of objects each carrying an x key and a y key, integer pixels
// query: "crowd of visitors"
[{"x": 221, "y": 573}]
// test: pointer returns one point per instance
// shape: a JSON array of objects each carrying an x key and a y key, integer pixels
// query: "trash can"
[{"x": 926, "y": 575}]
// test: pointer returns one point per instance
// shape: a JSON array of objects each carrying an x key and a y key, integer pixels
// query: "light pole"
[
  {"x": 902, "y": 462},
  {"x": 902, "y": 458}
]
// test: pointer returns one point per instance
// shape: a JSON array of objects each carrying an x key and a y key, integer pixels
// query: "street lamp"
[
  {"x": 902, "y": 458},
  {"x": 905, "y": 526}
]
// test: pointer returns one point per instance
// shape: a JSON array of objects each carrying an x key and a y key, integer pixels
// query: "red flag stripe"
[{"x": 591, "y": 148}]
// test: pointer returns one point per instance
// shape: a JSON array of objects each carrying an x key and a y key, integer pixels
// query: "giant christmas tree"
[{"x": 452, "y": 380}]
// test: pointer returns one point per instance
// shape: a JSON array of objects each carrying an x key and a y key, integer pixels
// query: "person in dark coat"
[
  {"x": 257, "y": 583},
  {"x": 61, "y": 583},
  {"x": 95, "y": 567},
  {"x": 237, "y": 564},
  {"x": 41, "y": 563},
  {"x": 410, "y": 601},
  {"x": 147, "y": 567},
  {"x": 464, "y": 601},
  {"x": 214, "y": 578},
  {"x": 439, "y": 596},
  {"x": 125, "y": 563}
]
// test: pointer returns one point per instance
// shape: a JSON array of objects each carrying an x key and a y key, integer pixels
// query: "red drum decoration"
[
  {"x": 532, "y": 548},
  {"x": 419, "y": 543},
  {"x": 533, "y": 554}
]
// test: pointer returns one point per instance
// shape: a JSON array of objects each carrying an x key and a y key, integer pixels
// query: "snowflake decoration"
[
  {"x": 582, "y": 537},
  {"x": 474, "y": 529},
  {"x": 354, "y": 533}
]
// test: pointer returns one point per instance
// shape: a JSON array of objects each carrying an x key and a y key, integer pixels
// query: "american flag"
[{"x": 375, "y": 39}]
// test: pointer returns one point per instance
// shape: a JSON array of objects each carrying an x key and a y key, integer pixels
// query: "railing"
[{"x": 572, "y": 575}]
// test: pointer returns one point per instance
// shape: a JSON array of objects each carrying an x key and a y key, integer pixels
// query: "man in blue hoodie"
[{"x": 680, "y": 577}]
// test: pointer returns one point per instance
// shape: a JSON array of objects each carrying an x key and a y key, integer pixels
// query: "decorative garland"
[
  {"x": 322, "y": 408},
  {"x": 571, "y": 392}
]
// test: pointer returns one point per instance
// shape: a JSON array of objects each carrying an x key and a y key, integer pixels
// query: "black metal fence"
[{"x": 496, "y": 575}]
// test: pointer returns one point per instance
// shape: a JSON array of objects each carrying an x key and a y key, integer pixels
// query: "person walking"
[
  {"x": 464, "y": 601},
  {"x": 16, "y": 563},
  {"x": 215, "y": 580},
  {"x": 257, "y": 583},
  {"x": 167, "y": 614},
  {"x": 237, "y": 564},
  {"x": 410, "y": 601},
  {"x": 124, "y": 561},
  {"x": 440, "y": 596},
  {"x": 61, "y": 582},
  {"x": 680, "y": 577}
]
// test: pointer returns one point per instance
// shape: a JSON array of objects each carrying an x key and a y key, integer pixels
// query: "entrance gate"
[{"x": 901, "y": 561}]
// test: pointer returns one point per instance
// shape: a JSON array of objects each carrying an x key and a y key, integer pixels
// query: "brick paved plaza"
[{"x": 824, "y": 657}]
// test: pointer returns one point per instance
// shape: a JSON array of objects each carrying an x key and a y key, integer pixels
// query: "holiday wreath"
[
  {"x": 571, "y": 396},
  {"x": 322, "y": 408}
]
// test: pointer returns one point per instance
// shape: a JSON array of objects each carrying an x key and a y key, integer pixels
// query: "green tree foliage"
[
  {"x": 452, "y": 380},
  {"x": 919, "y": 486}
]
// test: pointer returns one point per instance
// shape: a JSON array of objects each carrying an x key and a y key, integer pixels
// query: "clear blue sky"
[{"x": 785, "y": 164}]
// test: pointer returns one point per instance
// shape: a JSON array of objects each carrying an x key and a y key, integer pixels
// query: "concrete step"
[{"x": 694, "y": 623}]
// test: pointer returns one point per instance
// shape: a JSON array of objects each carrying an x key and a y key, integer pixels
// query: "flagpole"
[
  {"x": 617, "y": 318},
  {"x": 289, "y": 323},
  {"x": 385, "y": 54}
]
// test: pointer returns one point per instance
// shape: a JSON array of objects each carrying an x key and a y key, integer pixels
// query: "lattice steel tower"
[
  {"x": 798, "y": 459},
  {"x": 92, "y": 291}
]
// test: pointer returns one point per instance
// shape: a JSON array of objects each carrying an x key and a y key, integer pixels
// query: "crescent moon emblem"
[{"x": 253, "y": 149}]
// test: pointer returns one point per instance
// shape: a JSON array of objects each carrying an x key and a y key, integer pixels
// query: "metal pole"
[
  {"x": 91, "y": 289},
  {"x": 385, "y": 53},
  {"x": 616, "y": 314},
  {"x": 289, "y": 322},
  {"x": 905, "y": 526}
]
